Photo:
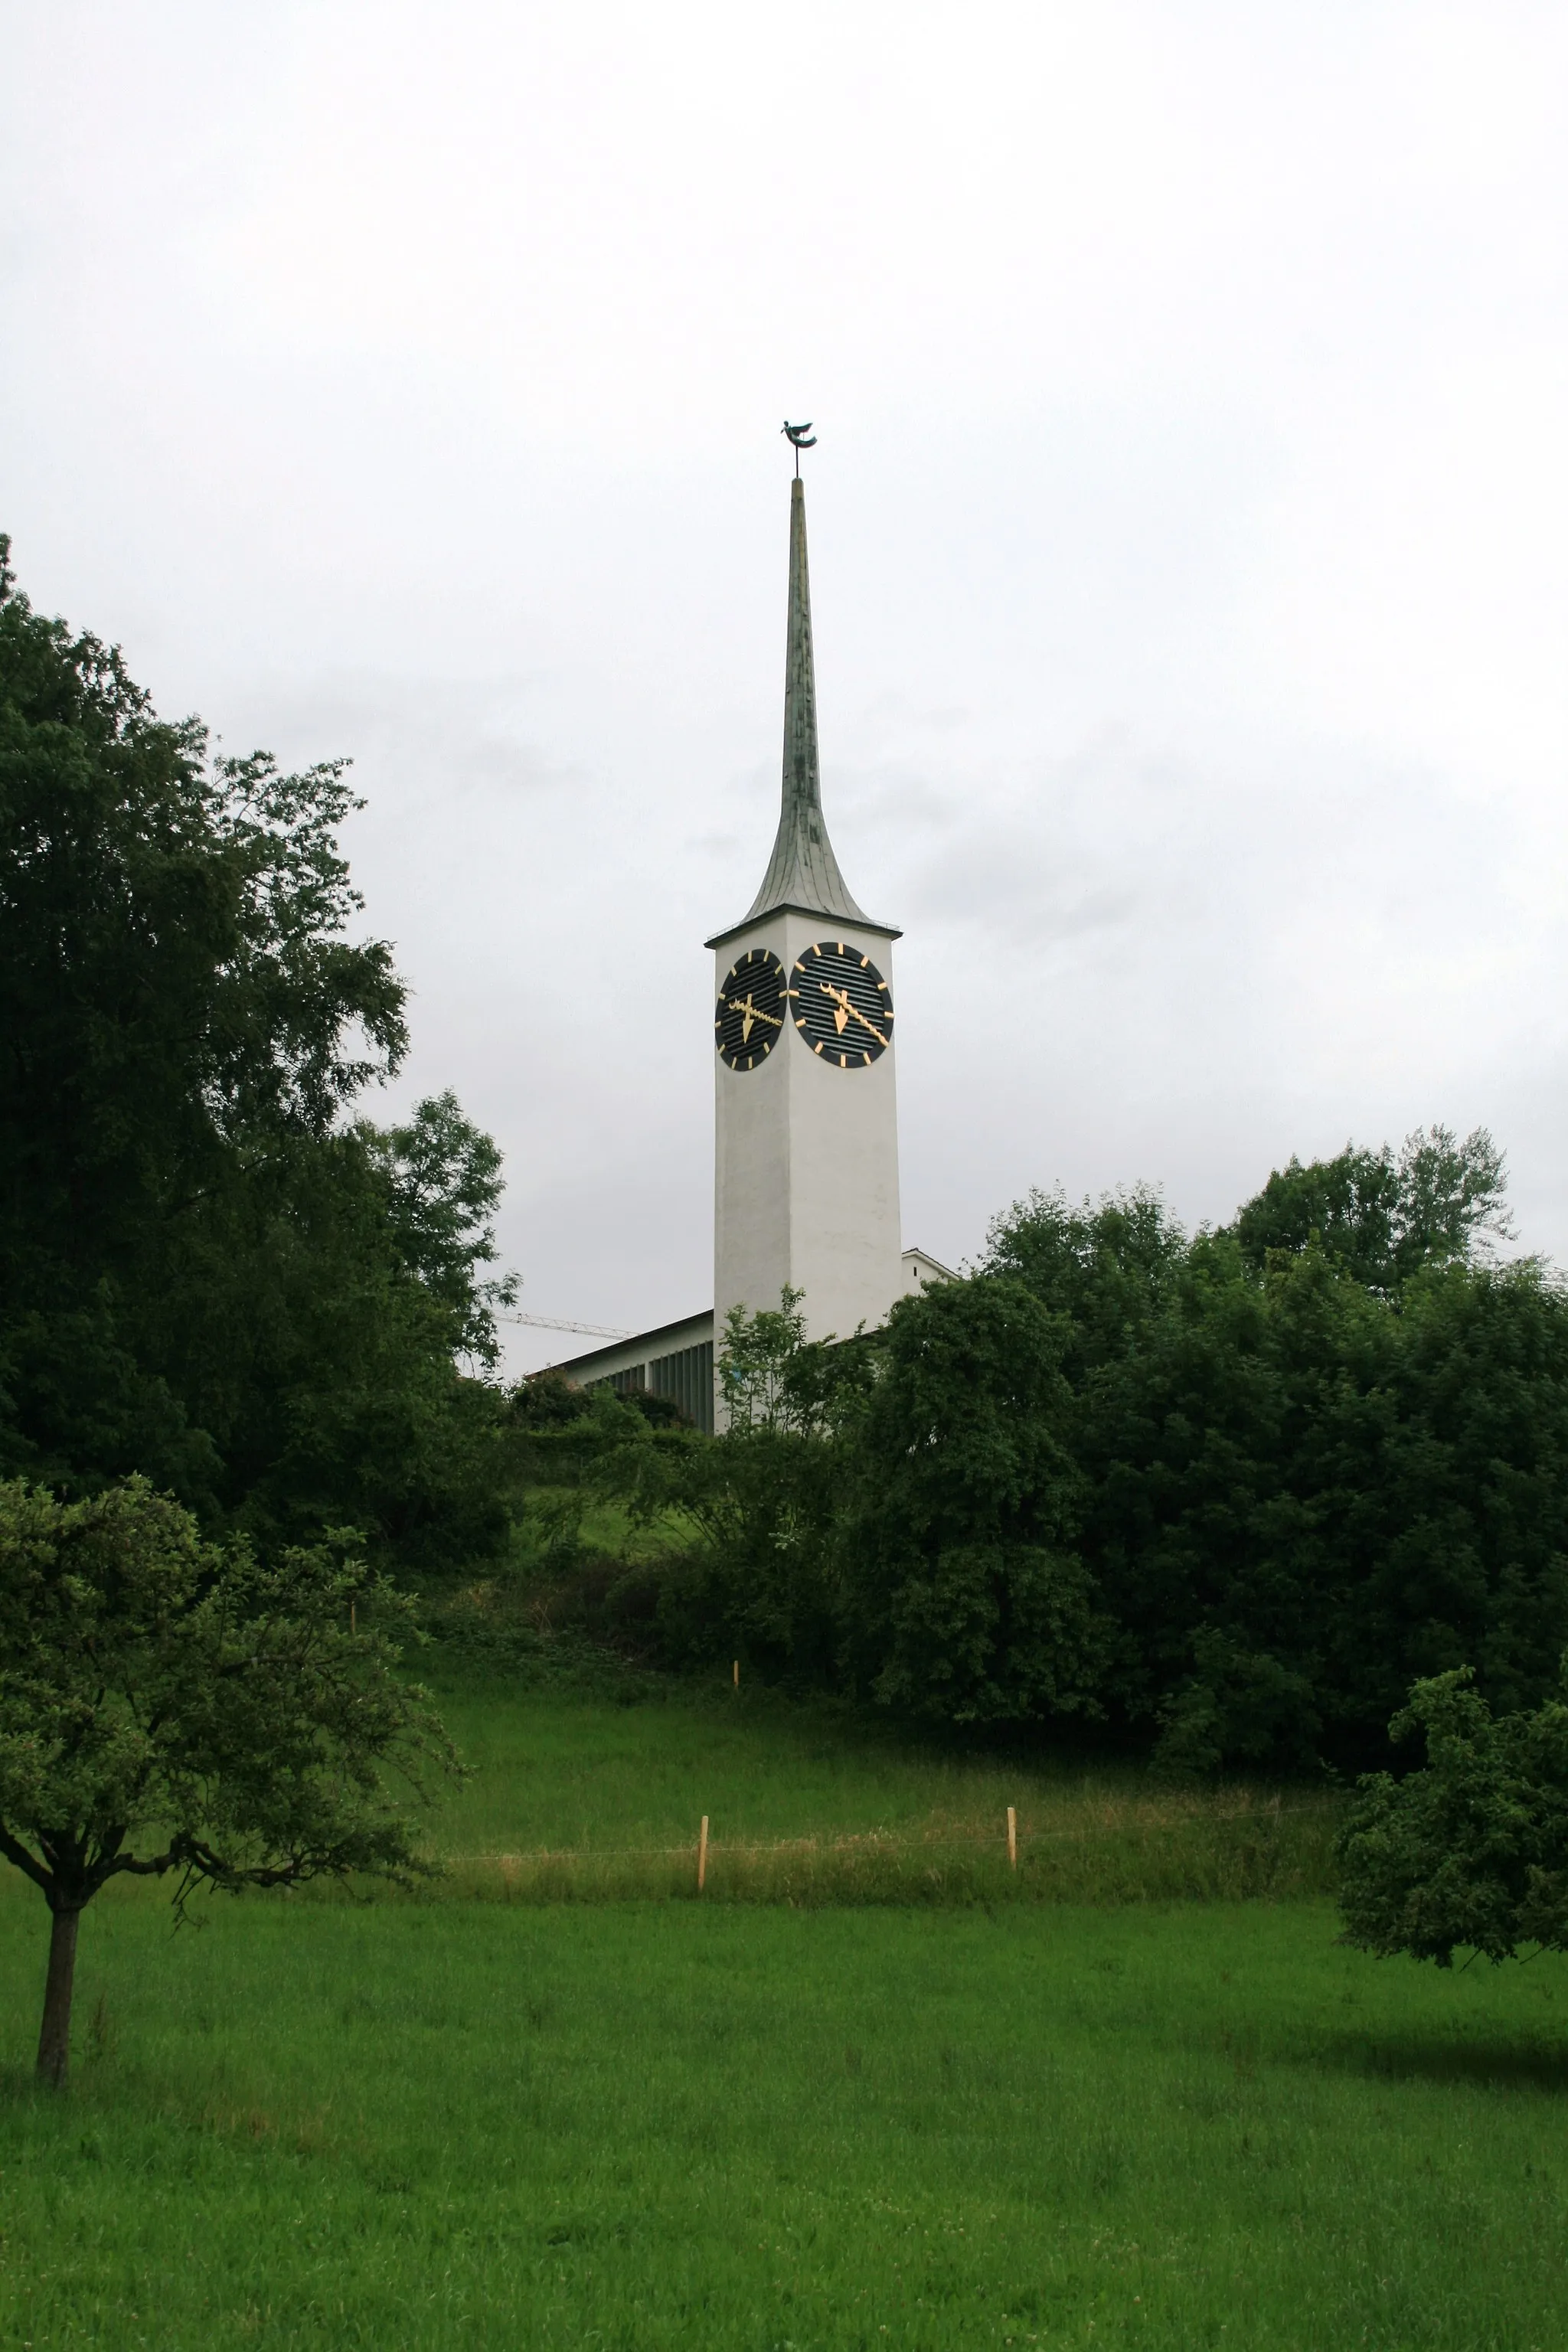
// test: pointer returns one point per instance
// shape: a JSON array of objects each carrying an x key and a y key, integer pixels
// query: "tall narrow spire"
[{"x": 803, "y": 872}]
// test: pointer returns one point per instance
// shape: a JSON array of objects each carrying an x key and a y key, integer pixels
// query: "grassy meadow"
[
  {"x": 912, "y": 2100},
  {"x": 583, "y": 1796}
]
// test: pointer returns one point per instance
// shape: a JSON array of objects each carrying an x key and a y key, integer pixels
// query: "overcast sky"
[{"x": 1189, "y": 536}]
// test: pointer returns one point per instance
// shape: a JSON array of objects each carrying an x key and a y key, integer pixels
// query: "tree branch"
[
  {"x": 25, "y": 1861},
  {"x": 151, "y": 1866}
]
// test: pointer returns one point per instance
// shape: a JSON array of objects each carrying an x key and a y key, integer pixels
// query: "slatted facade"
[
  {"x": 675, "y": 1361},
  {"x": 687, "y": 1378}
]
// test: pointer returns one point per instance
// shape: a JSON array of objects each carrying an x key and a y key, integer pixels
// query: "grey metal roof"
[
  {"x": 803, "y": 872},
  {"x": 691, "y": 1331}
]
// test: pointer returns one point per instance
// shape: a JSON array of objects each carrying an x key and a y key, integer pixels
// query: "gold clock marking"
[
  {"x": 751, "y": 1012},
  {"x": 741, "y": 1026},
  {"x": 845, "y": 1012},
  {"x": 806, "y": 982}
]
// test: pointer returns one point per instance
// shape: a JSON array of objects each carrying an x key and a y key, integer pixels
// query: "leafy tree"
[
  {"x": 761, "y": 1499},
  {"x": 1386, "y": 1217},
  {"x": 445, "y": 1181},
  {"x": 547, "y": 1400},
  {"x": 1472, "y": 1851},
  {"x": 206, "y": 1273},
  {"x": 1298, "y": 1491},
  {"x": 168, "y": 1704},
  {"x": 1218, "y": 1458},
  {"x": 759, "y": 1368},
  {"x": 1233, "y": 1508},
  {"x": 1300, "y": 1496},
  {"x": 1108, "y": 1269},
  {"x": 1302, "y": 1488},
  {"x": 970, "y": 1601}
]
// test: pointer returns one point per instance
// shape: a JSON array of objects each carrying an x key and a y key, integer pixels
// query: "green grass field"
[
  {"x": 956, "y": 2112},
  {"x": 576, "y": 1796}
]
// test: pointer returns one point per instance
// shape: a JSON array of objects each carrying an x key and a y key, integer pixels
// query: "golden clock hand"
[
  {"x": 867, "y": 1024},
  {"x": 750, "y": 1013},
  {"x": 850, "y": 1011},
  {"x": 841, "y": 1017}
]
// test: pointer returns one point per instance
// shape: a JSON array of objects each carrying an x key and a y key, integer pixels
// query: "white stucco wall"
[{"x": 806, "y": 1165}]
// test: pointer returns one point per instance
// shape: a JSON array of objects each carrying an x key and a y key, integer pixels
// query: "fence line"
[{"x": 884, "y": 1840}]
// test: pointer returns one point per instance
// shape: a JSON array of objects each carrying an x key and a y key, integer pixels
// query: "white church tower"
[
  {"x": 805, "y": 1192},
  {"x": 806, "y": 1174}
]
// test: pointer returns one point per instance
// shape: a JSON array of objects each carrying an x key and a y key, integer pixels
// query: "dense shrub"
[
  {"x": 1472, "y": 1849},
  {"x": 1227, "y": 1495},
  {"x": 970, "y": 1602}
]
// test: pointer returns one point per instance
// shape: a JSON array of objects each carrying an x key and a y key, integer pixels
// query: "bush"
[{"x": 1472, "y": 1852}]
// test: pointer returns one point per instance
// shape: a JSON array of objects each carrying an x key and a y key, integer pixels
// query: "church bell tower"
[{"x": 806, "y": 1165}]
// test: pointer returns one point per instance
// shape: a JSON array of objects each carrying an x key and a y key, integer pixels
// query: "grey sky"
[{"x": 1189, "y": 545}]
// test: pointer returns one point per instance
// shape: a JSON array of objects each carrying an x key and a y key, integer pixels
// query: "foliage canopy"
[
  {"x": 169, "y": 1704},
  {"x": 209, "y": 1273},
  {"x": 1472, "y": 1850},
  {"x": 1228, "y": 1494}
]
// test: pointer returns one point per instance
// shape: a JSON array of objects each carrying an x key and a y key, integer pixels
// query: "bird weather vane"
[{"x": 799, "y": 436}]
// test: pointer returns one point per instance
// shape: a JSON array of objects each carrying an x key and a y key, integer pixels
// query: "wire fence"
[
  {"x": 1213, "y": 1848},
  {"x": 892, "y": 1840}
]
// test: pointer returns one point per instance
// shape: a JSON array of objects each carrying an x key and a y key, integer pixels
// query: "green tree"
[
  {"x": 547, "y": 1399},
  {"x": 761, "y": 1499},
  {"x": 1234, "y": 1501},
  {"x": 1299, "y": 1489},
  {"x": 168, "y": 1705},
  {"x": 207, "y": 1274},
  {"x": 759, "y": 1362},
  {"x": 1386, "y": 1216},
  {"x": 1472, "y": 1851},
  {"x": 971, "y": 1603},
  {"x": 1108, "y": 1269},
  {"x": 444, "y": 1179}
]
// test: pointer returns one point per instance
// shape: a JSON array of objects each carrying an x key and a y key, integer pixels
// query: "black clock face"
[
  {"x": 841, "y": 1005},
  {"x": 750, "y": 1019}
]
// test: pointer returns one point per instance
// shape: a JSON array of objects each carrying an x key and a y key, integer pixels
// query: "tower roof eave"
[{"x": 760, "y": 914}]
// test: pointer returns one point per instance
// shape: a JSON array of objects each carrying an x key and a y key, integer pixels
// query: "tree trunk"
[{"x": 55, "y": 2040}]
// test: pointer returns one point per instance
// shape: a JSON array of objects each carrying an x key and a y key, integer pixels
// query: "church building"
[{"x": 806, "y": 1190}]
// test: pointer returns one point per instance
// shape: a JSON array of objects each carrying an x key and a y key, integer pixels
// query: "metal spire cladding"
[{"x": 803, "y": 872}]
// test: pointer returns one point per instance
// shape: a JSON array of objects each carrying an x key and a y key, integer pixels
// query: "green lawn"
[{"x": 741, "y": 2124}]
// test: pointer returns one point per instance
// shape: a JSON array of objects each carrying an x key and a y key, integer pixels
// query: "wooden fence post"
[
  {"x": 1012, "y": 1837},
  {"x": 702, "y": 1855},
  {"x": 737, "y": 1674}
]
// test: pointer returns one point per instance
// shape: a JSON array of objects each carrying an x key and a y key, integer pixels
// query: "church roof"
[{"x": 803, "y": 872}]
